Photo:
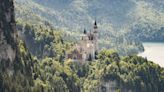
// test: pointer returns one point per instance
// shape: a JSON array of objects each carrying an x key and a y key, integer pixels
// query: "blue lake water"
[{"x": 154, "y": 51}]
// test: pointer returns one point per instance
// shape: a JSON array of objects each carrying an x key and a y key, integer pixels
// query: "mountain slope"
[
  {"x": 112, "y": 15},
  {"x": 73, "y": 16}
]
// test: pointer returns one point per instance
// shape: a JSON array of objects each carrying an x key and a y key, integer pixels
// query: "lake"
[{"x": 154, "y": 51}]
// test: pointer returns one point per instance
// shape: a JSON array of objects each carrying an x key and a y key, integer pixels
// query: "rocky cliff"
[
  {"x": 8, "y": 35},
  {"x": 15, "y": 66}
]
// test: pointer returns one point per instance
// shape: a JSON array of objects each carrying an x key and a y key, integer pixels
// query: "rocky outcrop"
[{"x": 8, "y": 35}]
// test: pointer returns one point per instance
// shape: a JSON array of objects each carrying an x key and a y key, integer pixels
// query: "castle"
[{"x": 87, "y": 48}]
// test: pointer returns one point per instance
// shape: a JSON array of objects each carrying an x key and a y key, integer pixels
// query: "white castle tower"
[
  {"x": 87, "y": 48},
  {"x": 91, "y": 41}
]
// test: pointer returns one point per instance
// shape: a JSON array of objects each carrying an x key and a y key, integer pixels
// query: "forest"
[{"x": 40, "y": 49}]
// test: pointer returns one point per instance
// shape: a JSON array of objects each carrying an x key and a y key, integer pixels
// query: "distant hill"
[
  {"x": 112, "y": 15},
  {"x": 122, "y": 23}
]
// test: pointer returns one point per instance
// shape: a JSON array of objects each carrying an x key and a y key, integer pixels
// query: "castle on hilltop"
[{"x": 87, "y": 48}]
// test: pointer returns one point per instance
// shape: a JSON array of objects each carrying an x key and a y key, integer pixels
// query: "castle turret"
[
  {"x": 85, "y": 32},
  {"x": 95, "y": 32},
  {"x": 95, "y": 25},
  {"x": 84, "y": 36}
]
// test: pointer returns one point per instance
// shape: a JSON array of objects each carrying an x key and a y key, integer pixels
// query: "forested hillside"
[
  {"x": 122, "y": 24},
  {"x": 73, "y": 16},
  {"x": 32, "y": 58},
  {"x": 143, "y": 17}
]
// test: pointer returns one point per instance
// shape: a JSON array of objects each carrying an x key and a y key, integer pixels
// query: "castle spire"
[
  {"x": 95, "y": 25},
  {"x": 85, "y": 32}
]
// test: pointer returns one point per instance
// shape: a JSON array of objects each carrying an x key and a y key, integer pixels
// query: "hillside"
[
  {"x": 22, "y": 71},
  {"x": 73, "y": 16},
  {"x": 145, "y": 16},
  {"x": 123, "y": 25}
]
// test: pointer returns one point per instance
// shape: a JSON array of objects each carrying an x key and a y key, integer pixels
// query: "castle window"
[
  {"x": 90, "y": 57},
  {"x": 91, "y": 37},
  {"x": 74, "y": 57},
  {"x": 85, "y": 32},
  {"x": 103, "y": 88}
]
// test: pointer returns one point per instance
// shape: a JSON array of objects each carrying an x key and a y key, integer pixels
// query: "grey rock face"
[{"x": 8, "y": 35}]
